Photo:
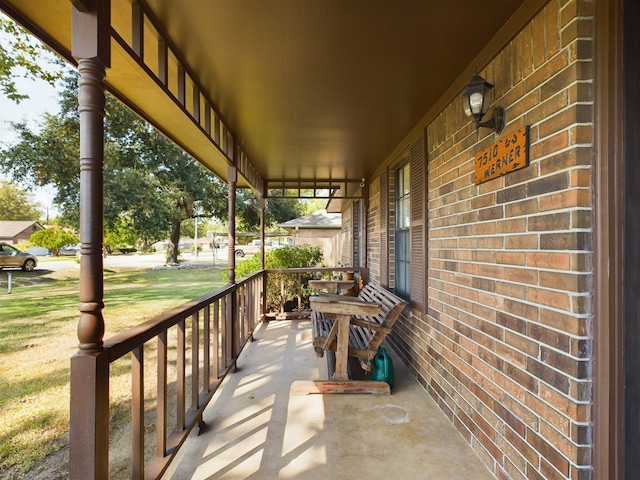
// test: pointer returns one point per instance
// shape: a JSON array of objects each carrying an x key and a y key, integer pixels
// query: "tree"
[
  {"x": 53, "y": 238},
  {"x": 150, "y": 185},
  {"x": 21, "y": 55},
  {"x": 277, "y": 210},
  {"x": 16, "y": 204}
]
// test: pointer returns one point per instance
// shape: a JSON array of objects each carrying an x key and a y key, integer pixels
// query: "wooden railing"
[
  {"x": 177, "y": 362},
  {"x": 191, "y": 348}
]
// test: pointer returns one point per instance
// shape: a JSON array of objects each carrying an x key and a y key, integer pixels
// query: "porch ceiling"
[{"x": 312, "y": 90}]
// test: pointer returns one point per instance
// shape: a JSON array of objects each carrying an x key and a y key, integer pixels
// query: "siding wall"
[{"x": 504, "y": 345}]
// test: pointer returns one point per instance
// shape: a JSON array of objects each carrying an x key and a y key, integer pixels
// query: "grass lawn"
[{"x": 38, "y": 323}]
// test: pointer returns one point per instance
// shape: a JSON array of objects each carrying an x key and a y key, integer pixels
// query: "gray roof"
[
  {"x": 319, "y": 219},
  {"x": 12, "y": 228}
]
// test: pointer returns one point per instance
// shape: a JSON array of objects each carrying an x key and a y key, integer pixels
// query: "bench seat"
[{"x": 366, "y": 333}]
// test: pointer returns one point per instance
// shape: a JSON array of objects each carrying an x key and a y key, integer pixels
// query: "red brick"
[
  {"x": 549, "y": 337},
  {"x": 558, "y": 436},
  {"x": 564, "y": 281},
  {"x": 556, "y": 260},
  {"x": 566, "y": 199},
  {"x": 539, "y": 44},
  {"x": 522, "y": 344},
  {"x": 512, "y": 226},
  {"x": 527, "y": 207},
  {"x": 521, "y": 275},
  {"x": 550, "y": 145},
  {"x": 577, "y": 412},
  {"x": 550, "y": 298},
  {"x": 565, "y": 322},
  {"x": 521, "y": 242},
  {"x": 522, "y": 446},
  {"x": 511, "y": 258},
  {"x": 548, "y": 452},
  {"x": 511, "y": 355},
  {"x": 557, "y": 64},
  {"x": 551, "y": 29},
  {"x": 548, "y": 107},
  {"x": 523, "y": 310},
  {"x": 511, "y": 290},
  {"x": 581, "y": 135}
]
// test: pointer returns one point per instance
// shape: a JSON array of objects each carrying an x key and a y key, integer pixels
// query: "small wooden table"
[
  {"x": 343, "y": 307},
  {"x": 331, "y": 286}
]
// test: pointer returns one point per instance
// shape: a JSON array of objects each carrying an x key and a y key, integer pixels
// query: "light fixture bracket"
[{"x": 496, "y": 122}]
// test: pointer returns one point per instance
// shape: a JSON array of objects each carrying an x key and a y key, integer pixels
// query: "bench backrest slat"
[{"x": 392, "y": 305}]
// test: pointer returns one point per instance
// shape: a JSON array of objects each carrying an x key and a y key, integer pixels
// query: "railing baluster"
[
  {"x": 282, "y": 294},
  {"x": 234, "y": 317},
  {"x": 228, "y": 328},
  {"x": 161, "y": 407},
  {"x": 223, "y": 331},
  {"x": 181, "y": 380},
  {"x": 216, "y": 339},
  {"x": 243, "y": 313},
  {"x": 195, "y": 362},
  {"x": 137, "y": 412},
  {"x": 206, "y": 349}
]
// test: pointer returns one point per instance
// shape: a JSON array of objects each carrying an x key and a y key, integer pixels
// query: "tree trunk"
[{"x": 174, "y": 243}]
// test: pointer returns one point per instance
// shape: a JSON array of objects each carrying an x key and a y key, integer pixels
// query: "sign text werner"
[{"x": 508, "y": 155}]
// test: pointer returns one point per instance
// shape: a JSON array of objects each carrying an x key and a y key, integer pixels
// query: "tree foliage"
[
  {"x": 22, "y": 56},
  {"x": 53, "y": 238},
  {"x": 151, "y": 186},
  {"x": 277, "y": 210},
  {"x": 16, "y": 203}
]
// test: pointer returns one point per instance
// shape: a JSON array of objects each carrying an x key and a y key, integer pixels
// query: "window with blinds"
[{"x": 402, "y": 233}]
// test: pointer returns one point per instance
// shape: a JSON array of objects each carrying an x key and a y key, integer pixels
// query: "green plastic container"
[{"x": 383, "y": 367}]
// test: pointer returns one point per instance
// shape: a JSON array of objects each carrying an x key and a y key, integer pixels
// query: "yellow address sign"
[{"x": 506, "y": 156}]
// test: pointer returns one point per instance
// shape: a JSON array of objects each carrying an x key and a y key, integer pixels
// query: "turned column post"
[{"x": 89, "y": 422}]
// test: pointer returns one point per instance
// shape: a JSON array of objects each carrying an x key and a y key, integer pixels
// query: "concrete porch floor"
[{"x": 257, "y": 429}]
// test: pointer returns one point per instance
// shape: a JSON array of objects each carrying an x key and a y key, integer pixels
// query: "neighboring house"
[
  {"x": 320, "y": 229},
  {"x": 16, "y": 231}
]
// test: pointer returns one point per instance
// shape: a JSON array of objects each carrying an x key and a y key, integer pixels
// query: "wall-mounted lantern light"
[{"x": 475, "y": 102}]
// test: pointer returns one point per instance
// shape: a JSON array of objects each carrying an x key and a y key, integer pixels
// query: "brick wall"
[{"x": 505, "y": 347}]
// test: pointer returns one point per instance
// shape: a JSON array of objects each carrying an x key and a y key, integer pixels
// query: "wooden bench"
[{"x": 366, "y": 333}]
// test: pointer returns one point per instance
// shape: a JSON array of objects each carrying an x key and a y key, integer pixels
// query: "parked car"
[
  {"x": 39, "y": 251},
  {"x": 70, "y": 250},
  {"x": 10, "y": 257}
]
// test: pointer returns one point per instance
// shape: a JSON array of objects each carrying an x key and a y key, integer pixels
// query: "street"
[{"x": 146, "y": 260}]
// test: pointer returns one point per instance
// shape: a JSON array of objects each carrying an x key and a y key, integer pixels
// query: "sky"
[{"x": 42, "y": 98}]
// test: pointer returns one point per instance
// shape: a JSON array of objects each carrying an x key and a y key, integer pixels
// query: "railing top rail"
[
  {"x": 315, "y": 270},
  {"x": 124, "y": 342}
]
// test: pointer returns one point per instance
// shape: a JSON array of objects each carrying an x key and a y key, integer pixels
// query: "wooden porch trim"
[
  {"x": 608, "y": 411},
  {"x": 89, "y": 419}
]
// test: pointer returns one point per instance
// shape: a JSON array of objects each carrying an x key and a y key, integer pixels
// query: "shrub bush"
[{"x": 302, "y": 256}]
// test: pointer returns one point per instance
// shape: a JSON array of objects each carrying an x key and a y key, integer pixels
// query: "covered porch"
[
  {"x": 258, "y": 426},
  {"x": 218, "y": 391},
  {"x": 522, "y": 316}
]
